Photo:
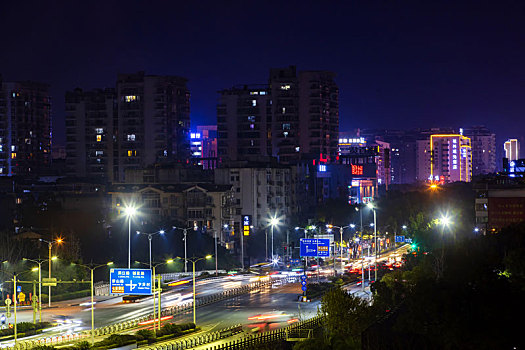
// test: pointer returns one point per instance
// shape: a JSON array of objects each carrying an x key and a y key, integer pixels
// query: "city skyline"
[{"x": 451, "y": 71}]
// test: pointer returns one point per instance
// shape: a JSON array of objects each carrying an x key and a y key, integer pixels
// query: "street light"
[
  {"x": 371, "y": 206},
  {"x": 341, "y": 228},
  {"x": 130, "y": 211},
  {"x": 150, "y": 237},
  {"x": 15, "y": 298},
  {"x": 39, "y": 262},
  {"x": 93, "y": 268},
  {"x": 185, "y": 231},
  {"x": 159, "y": 289},
  {"x": 274, "y": 221},
  {"x": 194, "y": 260},
  {"x": 58, "y": 241}
]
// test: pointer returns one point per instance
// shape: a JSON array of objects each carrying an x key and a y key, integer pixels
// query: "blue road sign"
[
  {"x": 303, "y": 278},
  {"x": 315, "y": 247},
  {"x": 408, "y": 240},
  {"x": 303, "y": 283},
  {"x": 18, "y": 289},
  {"x": 303, "y": 288},
  {"x": 130, "y": 281},
  {"x": 400, "y": 239}
]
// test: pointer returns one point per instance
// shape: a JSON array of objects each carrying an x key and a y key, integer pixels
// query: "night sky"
[{"x": 398, "y": 66}]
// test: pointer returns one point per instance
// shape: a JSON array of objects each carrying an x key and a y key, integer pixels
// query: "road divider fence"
[{"x": 166, "y": 311}]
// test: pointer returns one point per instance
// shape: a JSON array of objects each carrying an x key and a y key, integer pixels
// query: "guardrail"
[
  {"x": 262, "y": 338},
  {"x": 249, "y": 340},
  {"x": 168, "y": 311},
  {"x": 194, "y": 341}
]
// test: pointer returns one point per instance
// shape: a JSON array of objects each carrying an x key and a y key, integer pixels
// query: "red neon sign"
[{"x": 357, "y": 169}]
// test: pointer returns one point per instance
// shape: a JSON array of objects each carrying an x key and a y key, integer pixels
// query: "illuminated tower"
[
  {"x": 450, "y": 158},
  {"x": 512, "y": 149}
]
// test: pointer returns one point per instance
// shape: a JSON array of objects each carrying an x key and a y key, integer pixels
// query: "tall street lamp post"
[
  {"x": 15, "y": 276},
  {"x": 194, "y": 260},
  {"x": 444, "y": 222},
  {"x": 273, "y": 222},
  {"x": 185, "y": 232},
  {"x": 156, "y": 318},
  {"x": 51, "y": 258},
  {"x": 130, "y": 212},
  {"x": 341, "y": 229},
  {"x": 39, "y": 262},
  {"x": 371, "y": 206},
  {"x": 150, "y": 237},
  {"x": 93, "y": 268}
]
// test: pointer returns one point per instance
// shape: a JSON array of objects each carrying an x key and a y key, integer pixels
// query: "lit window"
[
  {"x": 130, "y": 153},
  {"x": 251, "y": 118},
  {"x": 254, "y": 103},
  {"x": 254, "y": 92},
  {"x": 284, "y": 110},
  {"x": 99, "y": 153},
  {"x": 252, "y": 126},
  {"x": 286, "y": 126},
  {"x": 131, "y": 137},
  {"x": 165, "y": 153},
  {"x": 130, "y": 98},
  {"x": 13, "y": 155},
  {"x": 99, "y": 138},
  {"x": 297, "y": 149},
  {"x": 12, "y": 148},
  {"x": 262, "y": 92},
  {"x": 99, "y": 130},
  {"x": 1, "y": 148},
  {"x": 285, "y": 133},
  {"x": 285, "y": 87}
]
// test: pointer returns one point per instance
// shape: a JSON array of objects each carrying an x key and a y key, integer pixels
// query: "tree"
[{"x": 346, "y": 316}]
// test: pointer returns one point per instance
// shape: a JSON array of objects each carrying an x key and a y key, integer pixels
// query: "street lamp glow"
[
  {"x": 169, "y": 261},
  {"x": 445, "y": 220},
  {"x": 130, "y": 211},
  {"x": 297, "y": 228},
  {"x": 352, "y": 225},
  {"x": 404, "y": 227},
  {"x": 370, "y": 205},
  {"x": 274, "y": 221},
  {"x": 34, "y": 269},
  {"x": 59, "y": 240},
  {"x": 110, "y": 263},
  {"x": 162, "y": 232},
  {"x": 54, "y": 258},
  {"x": 208, "y": 257}
]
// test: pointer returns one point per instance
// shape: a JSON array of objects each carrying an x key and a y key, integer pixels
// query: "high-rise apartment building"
[
  {"x": 444, "y": 158},
  {"x": 305, "y": 112},
  {"x": 512, "y": 149},
  {"x": 295, "y": 117},
  {"x": 244, "y": 123},
  {"x": 144, "y": 121},
  {"x": 25, "y": 128},
  {"x": 90, "y": 134},
  {"x": 483, "y": 149},
  {"x": 153, "y": 121}
]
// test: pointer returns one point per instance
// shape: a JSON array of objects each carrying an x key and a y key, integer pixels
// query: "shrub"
[
  {"x": 145, "y": 334},
  {"x": 83, "y": 345}
]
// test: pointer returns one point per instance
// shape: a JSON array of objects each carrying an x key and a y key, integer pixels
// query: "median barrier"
[{"x": 166, "y": 311}]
